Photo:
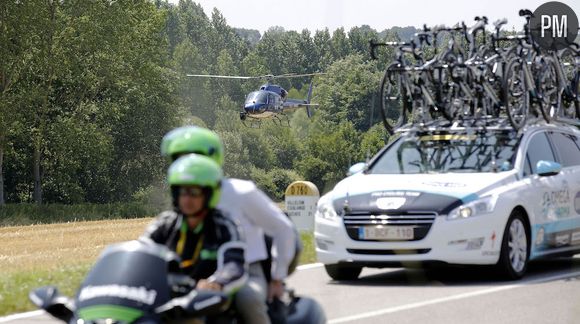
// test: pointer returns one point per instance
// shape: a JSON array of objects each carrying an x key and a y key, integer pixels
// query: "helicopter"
[{"x": 270, "y": 101}]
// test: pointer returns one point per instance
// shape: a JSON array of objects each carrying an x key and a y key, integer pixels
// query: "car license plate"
[{"x": 386, "y": 233}]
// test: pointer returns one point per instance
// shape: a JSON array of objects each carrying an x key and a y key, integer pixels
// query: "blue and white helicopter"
[{"x": 271, "y": 101}]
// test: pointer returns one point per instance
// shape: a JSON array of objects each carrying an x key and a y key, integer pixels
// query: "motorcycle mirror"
[
  {"x": 196, "y": 303},
  {"x": 50, "y": 299}
]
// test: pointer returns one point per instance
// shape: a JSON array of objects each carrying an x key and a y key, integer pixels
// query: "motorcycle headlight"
[
  {"x": 478, "y": 207},
  {"x": 326, "y": 210}
]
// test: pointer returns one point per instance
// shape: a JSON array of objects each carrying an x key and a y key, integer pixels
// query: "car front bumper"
[{"x": 475, "y": 240}]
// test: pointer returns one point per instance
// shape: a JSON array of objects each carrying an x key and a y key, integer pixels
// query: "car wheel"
[
  {"x": 342, "y": 272},
  {"x": 515, "y": 248}
]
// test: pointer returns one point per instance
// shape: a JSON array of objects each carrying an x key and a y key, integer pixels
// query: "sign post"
[{"x": 301, "y": 200}]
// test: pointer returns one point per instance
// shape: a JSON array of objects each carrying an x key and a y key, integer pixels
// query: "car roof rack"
[{"x": 480, "y": 124}]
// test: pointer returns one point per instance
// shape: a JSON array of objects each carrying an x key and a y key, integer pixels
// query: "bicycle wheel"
[
  {"x": 393, "y": 99},
  {"x": 517, "y": 97},
  {"x": 491, "y": 80},
  {"x": 437, "y": 81},
  {"x": 443, "y": 88},
  {"x": 569, "y": 106},
  {"x": 461, "y": 96},
  {"x": 549, "y": 87}
]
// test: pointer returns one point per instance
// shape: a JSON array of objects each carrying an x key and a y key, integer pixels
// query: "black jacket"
[{"x": 212, "y": 250}]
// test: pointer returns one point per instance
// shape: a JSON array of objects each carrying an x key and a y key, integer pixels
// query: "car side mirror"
[
  {"x": 196, "y": 303},
  {"x": 50, "y": 299},
  {"x": 357, "y": 168},
  {"x": 548, "y": 168}
]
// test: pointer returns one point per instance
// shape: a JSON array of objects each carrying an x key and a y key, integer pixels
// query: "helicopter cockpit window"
[{"x": 256, "y": 97}]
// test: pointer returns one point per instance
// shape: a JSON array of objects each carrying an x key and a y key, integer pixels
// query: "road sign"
[{"x": 301, "y": 200}]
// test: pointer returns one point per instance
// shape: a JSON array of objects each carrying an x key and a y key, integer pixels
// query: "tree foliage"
[{"x": 89, "y": 88}]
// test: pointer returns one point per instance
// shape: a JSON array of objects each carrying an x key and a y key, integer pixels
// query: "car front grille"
[
  {"x": 421, "y": 222},
  {"x": 388, "y": 252}
]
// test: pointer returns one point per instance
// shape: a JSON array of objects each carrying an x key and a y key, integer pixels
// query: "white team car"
[{"x": 458, "y": 195}]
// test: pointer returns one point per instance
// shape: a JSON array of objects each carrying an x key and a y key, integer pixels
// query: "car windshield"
[{"x": 442, "y": 152}]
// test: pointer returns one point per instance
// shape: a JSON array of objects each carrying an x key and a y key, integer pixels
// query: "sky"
[{"x": 332, "y": 14}]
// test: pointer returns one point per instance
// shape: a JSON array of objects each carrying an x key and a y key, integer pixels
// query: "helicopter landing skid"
[
  {"x": 282, "y": 122},
  {"x": 249, "y": 121}
]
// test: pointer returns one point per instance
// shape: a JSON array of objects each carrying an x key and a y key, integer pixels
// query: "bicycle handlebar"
[
  {"x": 500, "y": 22},
  {"x": 440, "y": 28},
  {"x": 478, "y": 18},
  {"x": 424, "y": 37},
  {"x": 403, "y": 46},
  {"x": 481, "y": 22},
  {"x": 526, "y": 13}
]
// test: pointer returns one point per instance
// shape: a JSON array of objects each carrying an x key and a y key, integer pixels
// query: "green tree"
[
  {"x": 17, "y": 36},
  {"x": 340, "y": 44},
  {"x": 330, "y": 151},
  {"x": 323, "y": 49},
  {"x": 348, "y": 91}
]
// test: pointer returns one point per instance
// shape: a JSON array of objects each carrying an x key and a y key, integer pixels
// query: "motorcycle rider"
[
  {"x": 206, "y": 240},
  {"x": 256, "y": 214}
]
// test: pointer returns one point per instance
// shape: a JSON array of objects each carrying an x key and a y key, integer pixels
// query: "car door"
[
  {"x": 567, "y": 228},
  {"x": 540, "y": 192}
]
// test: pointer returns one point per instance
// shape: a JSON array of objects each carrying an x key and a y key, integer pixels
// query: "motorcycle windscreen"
[{"x": 128, "y": 281}]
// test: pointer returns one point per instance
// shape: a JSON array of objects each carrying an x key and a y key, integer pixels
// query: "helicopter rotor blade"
[
  {"x": 267, "y": 76},
  {"x": 293, "y": 75},
  {"x": 223, "y": 76}
]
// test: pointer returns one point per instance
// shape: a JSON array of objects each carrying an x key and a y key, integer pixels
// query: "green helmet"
[
  {"x": 197, "y": 170},
  {"x": 193, "y": 139}
]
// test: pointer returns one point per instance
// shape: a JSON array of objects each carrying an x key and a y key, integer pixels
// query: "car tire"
[
  {"x": 515, "y": 248},
  {"x": 342, "y": 272}
]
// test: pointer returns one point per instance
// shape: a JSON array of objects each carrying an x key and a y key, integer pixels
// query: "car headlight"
[
  {"x": 326, "y": 210},
  {"x": 478, "y": 207}
]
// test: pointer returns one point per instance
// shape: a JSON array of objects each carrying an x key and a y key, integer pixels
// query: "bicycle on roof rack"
[{"x": 518, "y": 81}]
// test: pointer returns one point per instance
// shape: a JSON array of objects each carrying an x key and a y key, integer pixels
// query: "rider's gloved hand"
[
  {"x": 209, "y": 285},
  {"x": 275, "y": 289}
]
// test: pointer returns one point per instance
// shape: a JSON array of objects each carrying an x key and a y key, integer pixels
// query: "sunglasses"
[
  {"x": 210, "y": 152},
  {"x": 191, "y": 191}
]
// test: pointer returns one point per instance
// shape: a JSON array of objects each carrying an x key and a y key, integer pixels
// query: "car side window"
[
  {"x": 539, "y": 149},
  {"x": 567, "y": 149}
]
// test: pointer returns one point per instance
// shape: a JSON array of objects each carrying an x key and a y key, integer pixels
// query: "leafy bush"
[{"x": 275, "y": 181}]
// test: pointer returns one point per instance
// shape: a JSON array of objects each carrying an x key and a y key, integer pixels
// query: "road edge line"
[
  {"x": 309, "y": 266},
  {"x": 18, "y": 316},
  {"x": 450, "y": 298}
]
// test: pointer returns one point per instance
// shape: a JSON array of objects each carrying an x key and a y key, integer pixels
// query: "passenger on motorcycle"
[{"x": 256, "y": 214}]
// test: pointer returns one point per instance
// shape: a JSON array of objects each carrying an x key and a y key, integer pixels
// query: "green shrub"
[{"x": 274, "y": 182}]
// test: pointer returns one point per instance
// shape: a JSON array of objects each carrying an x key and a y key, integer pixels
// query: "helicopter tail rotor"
[{"x": 308, "y": 109}]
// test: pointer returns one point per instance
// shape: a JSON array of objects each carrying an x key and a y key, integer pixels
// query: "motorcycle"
[{"x": 139, "y": 282}]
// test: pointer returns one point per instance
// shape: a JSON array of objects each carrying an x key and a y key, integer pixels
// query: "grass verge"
[
  {"x": 309, "y": 251},
  {"x": 14, "y": 287}
]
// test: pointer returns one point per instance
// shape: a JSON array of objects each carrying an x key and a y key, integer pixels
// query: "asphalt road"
[{"x": 550, "y": 293}]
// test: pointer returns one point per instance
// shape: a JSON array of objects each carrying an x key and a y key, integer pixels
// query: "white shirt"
[{"x": 257, "y": 214}]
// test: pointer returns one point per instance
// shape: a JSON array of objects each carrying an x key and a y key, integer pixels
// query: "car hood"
[{"x": 401, "y": 193}]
